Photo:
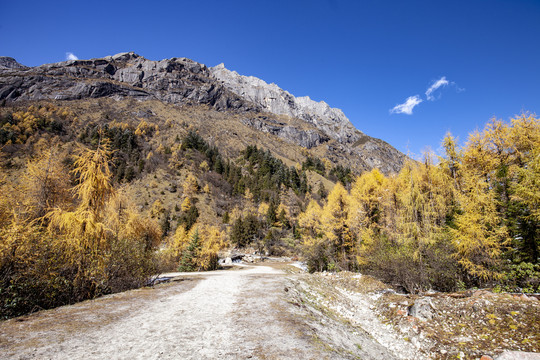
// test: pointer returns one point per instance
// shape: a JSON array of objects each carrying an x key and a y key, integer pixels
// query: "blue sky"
[{"x": 364, "y": 57}]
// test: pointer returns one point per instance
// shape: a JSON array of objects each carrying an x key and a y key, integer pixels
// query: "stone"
[
  {"x": 518, "y": 355},
  {"x": 482, "y": 293},
  {"x": 228, "y": 261},
  {"x": 177, "y": 81},
  {"x": 422, "y": 309},
  {"x": 401, "y": 312},
  {"x": 332, "y": 122}
]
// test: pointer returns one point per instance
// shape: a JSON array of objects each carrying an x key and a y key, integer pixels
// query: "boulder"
[{"x": 422, "y": 309}]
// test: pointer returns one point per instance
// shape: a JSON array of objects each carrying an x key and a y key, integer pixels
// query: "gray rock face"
[
  {"x": 370, "y": 152},
  {"x": 307, "y": 139},
  {"x": 176, "y": 80},
  {"x": 10, "y": 63},
  {"x": 278, "y": 101}
]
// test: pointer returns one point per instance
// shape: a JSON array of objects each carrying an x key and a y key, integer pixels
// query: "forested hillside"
[
  {"x": 94, "y": 201},
  {"x": 469, "y": 218},
  {"x": 96, "y": 205}
]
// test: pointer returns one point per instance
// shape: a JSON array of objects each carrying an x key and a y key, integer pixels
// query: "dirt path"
[{"x": 234, "y": 314}]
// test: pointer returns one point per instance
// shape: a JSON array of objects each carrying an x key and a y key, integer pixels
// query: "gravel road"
[{"x": 233, "y": 314}]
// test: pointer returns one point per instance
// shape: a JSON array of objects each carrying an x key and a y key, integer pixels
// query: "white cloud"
[
  {"x": 408, "y": 106},
  {"x": 71, "y": 56},
  {"x": 437, "y": 84}
]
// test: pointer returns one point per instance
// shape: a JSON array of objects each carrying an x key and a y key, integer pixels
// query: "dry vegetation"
[
  {"x": 98, "y": 195},
  {"x": 473, "y": 323},
  {"x": 469, "y": 219}
]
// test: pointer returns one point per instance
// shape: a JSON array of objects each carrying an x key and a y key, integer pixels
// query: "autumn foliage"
[
  {"x": 68, "y": 230},
  {"x": 468, "y": 218},
  {"x": 55, "y": 249}
]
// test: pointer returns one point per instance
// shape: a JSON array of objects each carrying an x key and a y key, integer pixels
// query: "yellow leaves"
[
  {"x": 249, "y": 207},
  {"x": 204, "y": 166},
  {"x": 525, "y": 133},
  {"x": 85, "y": 226},
  {"x": 126, "y": 223},
  {"x": 366, "y": 199},
  {"x": 213, "y": 240},
  {"x": 248, "y": 195},
  {"x": 491, "y": 175},
  {"x": 310, "y": 219},
  {"x": 190, "y": 186},
  {"x": 527, "y": 188},
  {"x": 180, "y": 240},
  {"x": 236, "y": 213},
  {"x": 334, "y": 216},
  {"x": 143, "y": 129},
  {"x": 46, "y": 183},
  {"x": 95, "y": 187},
  {"x": 94, "y": 244},
  {"x": 263, "y": 209},
  {"x": 157, "y": 208},
  {"x": 186, "y": 204},
  {"x": 27, "y": 123},
  {"x": 160, "y": 149},
  {"x": 327, "y": 163}
]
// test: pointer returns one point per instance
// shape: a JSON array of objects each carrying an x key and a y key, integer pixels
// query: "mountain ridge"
[
  {"x": 276, "y": 100},
  {"x": 184, "y": 82}
]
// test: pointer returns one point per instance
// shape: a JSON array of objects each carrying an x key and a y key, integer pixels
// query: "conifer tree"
[{"x": 190, "y": 254}]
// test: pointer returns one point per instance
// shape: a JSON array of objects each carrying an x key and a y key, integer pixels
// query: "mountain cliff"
[
  {"x": 183, "y": 82},
  {"x": 278, "y": 101}
]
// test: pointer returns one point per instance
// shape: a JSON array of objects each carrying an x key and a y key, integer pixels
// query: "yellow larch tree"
[
  {"x": 334, "y": 224},
  {"x": 190, "y": 186},
  {"x": 186, "y": 204},
  {"x": 479, "y": 233},
  {"x": 316, "y": 247},
  {"x": 366, "y": 212},
  {"x": 46, "y": 183}
]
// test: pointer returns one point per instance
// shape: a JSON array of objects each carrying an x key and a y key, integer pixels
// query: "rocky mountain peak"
[
  {"x": 182, "y": 81},
  {"x": 176, "y": 80},
  {"x": 275, "y": 100},
  {"x": 7, "y": 62}
]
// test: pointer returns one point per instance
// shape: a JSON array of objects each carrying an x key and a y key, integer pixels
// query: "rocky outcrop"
[
  {"x": 10, "y": 63},
  {"x": 176, "y": 80},
  {"x": 278, "y": 101},
  {"x": 304, "y": 138},
  {"x": 367, "y": 152}
]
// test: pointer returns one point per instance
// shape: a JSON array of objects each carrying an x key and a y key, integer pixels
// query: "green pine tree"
[{"x": 187, "y": 263}]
